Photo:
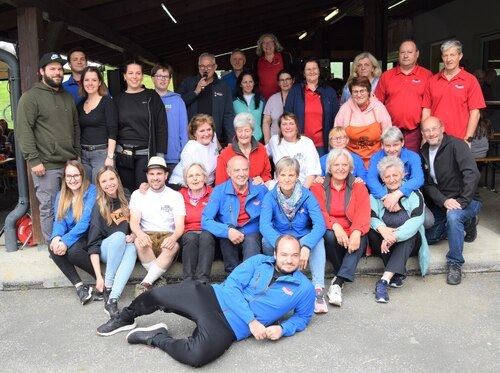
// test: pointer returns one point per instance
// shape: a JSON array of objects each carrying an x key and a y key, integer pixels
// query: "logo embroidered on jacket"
[
  {"x": 220, "y": 94},
  {"x": 287, "y": 291},
  {"x": 256, "y": 203}
]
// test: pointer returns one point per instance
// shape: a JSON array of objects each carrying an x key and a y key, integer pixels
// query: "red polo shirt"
[
  {"x": 313, "y": 121},
  {"x": 268, "y": 73},
  {"x": 243, "y": 216},
  {"x": 452, "y": 100},
  {"x": 402, "y": 95}
]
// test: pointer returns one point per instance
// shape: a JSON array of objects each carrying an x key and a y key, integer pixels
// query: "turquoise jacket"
[
  {"x": 415, "y": 207},
  {"x": 240, "y": 106}
]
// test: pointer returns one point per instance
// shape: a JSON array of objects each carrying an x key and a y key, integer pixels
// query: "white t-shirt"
[
  {"x": 274, "y": 108},
  {"x": 303, "y": 151},
  {"x": 195, "y": 152},
  {"x": 158, "y": 209},
  {"x": 432, "y": 157}
]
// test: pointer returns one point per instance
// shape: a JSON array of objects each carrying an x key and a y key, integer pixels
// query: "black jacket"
[
  {"x": 456, "y": 173},
  {"x": 222, "y": 105}
]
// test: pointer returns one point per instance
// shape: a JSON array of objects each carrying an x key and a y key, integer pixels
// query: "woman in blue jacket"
[
  {"x": 292, "y": 209},
  {"x": 68, "y": 241},
  {"x": 315, "y": 104},
  {"x": 249, "y": 100}
]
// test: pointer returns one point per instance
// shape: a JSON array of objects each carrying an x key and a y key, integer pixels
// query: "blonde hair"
[
  {"x": 376, "y": 73},
  {"x": 105, "y": 202},
  {"x": 336, "y": 131},
  {"x": 66, "y": 196}
]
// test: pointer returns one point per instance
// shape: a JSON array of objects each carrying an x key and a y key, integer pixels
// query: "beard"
[{"x": 51, "y": 82}]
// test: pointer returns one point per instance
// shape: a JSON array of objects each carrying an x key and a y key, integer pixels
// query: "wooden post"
[
  {"x": 30, "y": 31},
  {"x": 375, "y": 29}
]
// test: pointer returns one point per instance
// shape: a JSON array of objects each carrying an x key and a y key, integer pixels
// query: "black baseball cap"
[{"x": 51, "y": 57}]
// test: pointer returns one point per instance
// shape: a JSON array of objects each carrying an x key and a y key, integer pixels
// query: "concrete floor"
[{"x": 427, "y": 326}]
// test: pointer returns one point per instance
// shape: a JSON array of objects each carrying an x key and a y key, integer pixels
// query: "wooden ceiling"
[{"x": 112, "y": 31}]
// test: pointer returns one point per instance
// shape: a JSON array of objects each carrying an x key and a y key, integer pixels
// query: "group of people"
[{"x": 153, "y": 174}]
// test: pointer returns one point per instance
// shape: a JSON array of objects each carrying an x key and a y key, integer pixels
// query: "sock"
[
  {"x": 154, "y": 273},
  {"x": 385, "y": 279},
  {"x": 339, "y": 281},
  {"x": 147, "y": 265}
]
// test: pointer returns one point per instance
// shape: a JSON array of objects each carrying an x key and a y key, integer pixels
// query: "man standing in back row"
[
  {"x": 401, "y": 90},
  {"x": 48, "y": 134},
  {"x": 205, "y": 93},
  {"x": 453, "y": 95}
]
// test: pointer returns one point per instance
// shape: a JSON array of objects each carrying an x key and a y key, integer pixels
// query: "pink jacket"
[{"x": 363, "y": 118}]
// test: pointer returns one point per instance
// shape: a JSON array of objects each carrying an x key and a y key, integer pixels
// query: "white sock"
[
  {"x": 385, "y": 279},
  {"x": 147, "y": 265},
  {"x": 154, "y": 273}
]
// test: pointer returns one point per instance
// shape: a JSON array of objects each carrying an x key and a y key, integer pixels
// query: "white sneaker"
[{"x": 335, "y": 295}]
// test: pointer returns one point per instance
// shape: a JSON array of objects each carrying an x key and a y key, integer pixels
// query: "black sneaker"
[
  {"x": 397, "y": 281},
  {"x": 145, "y": 335},
  {"x": 381, "y": 294},
  {"x": 84, "y": 293},
  {"x": 454, "y": 274},
  {"x": 115, "y": 325},
  {"x": 98, "y": 296},
  {"x": 111, "y": 308},
  {"x": 471, "y": 230}
]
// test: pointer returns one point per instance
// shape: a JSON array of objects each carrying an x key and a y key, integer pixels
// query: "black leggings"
[
  {"x": 197, "y": 302},
  {"x": 132, "y": 174},
  {"x": 395, "y": 260},
  {"x": 76, "y": 255}
]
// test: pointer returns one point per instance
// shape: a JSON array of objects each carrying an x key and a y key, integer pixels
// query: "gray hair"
[
  {"x": 206, "y": 55},
  {"x": 286, "y": 163},
  {"x": 392, "y": 134},
  {"x": 244, "y": 119},
  {"x": 334, "y": 154},
  {"x": 277, "y": 46},
  {"x": 451, "y": 44},
  {"x": 390, "y": 161},
  {"x": 191, "y": 165}
]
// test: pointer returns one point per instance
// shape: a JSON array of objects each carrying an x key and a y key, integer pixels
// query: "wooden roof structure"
[{"x": 113, "y": 31}]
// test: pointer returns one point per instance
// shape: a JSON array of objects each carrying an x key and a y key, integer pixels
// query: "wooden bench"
[{"x": 494, "y": 162}]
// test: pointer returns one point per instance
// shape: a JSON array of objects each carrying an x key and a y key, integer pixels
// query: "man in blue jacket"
[
  {"x": 258, "y": 293},
  {"x": 232, "y": 214}
]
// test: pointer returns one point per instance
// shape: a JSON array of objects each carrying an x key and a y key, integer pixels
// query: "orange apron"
[{"x": 364, "y": 140}]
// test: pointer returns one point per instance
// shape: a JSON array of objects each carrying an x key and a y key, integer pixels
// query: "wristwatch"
[{"x": 469, "y": 139}]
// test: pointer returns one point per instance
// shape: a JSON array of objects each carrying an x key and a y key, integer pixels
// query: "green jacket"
[{"x": 47, "y": 128}]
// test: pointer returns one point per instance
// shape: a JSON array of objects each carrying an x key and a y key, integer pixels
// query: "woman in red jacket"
[
  {"x": 244, "y": 144},
  {"x": 345, "y": 205}
]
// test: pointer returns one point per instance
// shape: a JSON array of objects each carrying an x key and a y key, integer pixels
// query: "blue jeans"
[
  {"x": 93, "y": 161},
  {"x": 231, "y": 253},
  {"x": 317, "y": 260},
  {"x": 120, "y": 258},
  {"x": 451, "y": 224}
]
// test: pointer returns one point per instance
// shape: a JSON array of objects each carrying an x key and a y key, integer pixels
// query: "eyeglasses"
[
  {"x": 267, "y": 42},
  {"x": 285, "y": 80},
  {"x": 206, "y": 67},
  {"x": 72, "y": 177},
  {"x": 359, "y": 92},
  {"x": 338, "y": 139},
  {"x": 162, "y": 77}
]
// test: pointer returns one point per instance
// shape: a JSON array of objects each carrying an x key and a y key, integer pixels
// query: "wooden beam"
[
  {"x": 89, "y": 27},
  {"x": 30, "y": 30},
  {"x": 53, "y": 36}
]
